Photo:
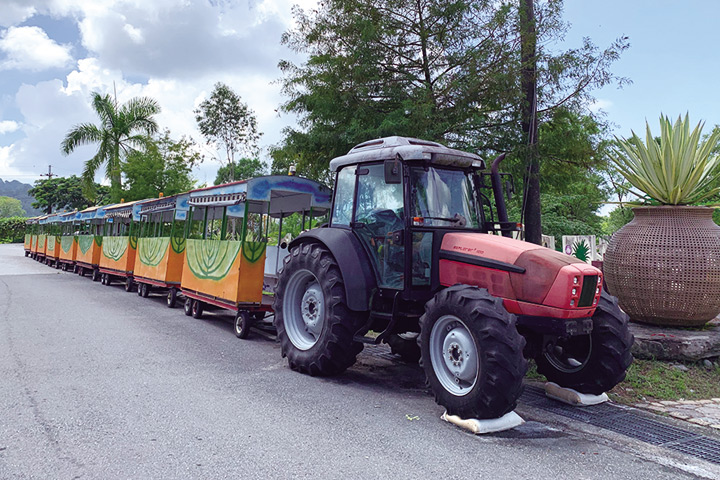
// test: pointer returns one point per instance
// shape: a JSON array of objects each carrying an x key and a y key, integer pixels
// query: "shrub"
[{"x": 12, "y": 229}]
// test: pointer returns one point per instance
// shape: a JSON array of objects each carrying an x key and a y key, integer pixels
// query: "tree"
[
  {"x": 163, "y": 166},
  {"x": 65, "y": 193},
  {"x": 244, "y": 169},
  {"x": 572, "y": 177},
  {"x": 443, "y": 70},
  {"x": 228, "y": 124},
  {"x": 122, "y": 129},
  {"x": 11, "y": 207}
]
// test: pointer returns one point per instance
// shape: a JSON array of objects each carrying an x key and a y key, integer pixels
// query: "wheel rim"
[
  {"x": 304, "y": 310},
  {"x": 188, "y": 305},
  {"x": 568, "y": 355},
  {"x": 453, "y": 355},
  {"x": 239, "y": 322}
]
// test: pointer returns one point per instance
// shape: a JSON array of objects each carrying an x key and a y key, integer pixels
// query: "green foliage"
[
  {"x": 244, "y": 169},
  {"x": 440, "y": 70},
  {"x": 228, "y": 123},
  {"x": 164, "y": 166},
  {"x": 617, "y": 219},
  {"x": 12, "y": 229},
  {"x": 65, "y": 193},
  {"x": 677, "y": 169},
  {"x": 122, "y": 129},
  {"x": 574, "y": 150},
  {"x": 10, "y": 207}
]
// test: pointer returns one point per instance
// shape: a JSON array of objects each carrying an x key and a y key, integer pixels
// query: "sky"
[{"x": 54, "y": 53}]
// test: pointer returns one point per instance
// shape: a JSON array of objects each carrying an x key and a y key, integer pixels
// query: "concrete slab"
[{"x": 678, "y": 344}]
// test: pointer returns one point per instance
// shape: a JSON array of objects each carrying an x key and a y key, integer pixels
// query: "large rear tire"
[
  {"x": 592, "y": 363},
  {"x": 314, "y": 324},
  {"x": 472, "y": 353}
]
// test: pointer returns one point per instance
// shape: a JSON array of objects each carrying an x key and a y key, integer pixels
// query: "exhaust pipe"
[{"x": 498, "y": 192}]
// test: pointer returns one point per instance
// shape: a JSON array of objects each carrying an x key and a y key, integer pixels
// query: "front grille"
[{"x": 588, "y": 290}]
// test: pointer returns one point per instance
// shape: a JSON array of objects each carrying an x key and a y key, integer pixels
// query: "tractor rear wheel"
[
  {"x": 471, "y": 353},
  {"x": 314, "y": 324},
  {"x": 592, "y": 363}
]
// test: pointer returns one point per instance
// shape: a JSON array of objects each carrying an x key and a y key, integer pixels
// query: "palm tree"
[{"x": 122, "y": 129}]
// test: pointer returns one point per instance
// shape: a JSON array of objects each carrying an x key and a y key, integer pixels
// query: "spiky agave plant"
[{"x": 676, "y": 169}]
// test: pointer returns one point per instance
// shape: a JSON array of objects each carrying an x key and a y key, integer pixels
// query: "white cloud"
[
  {"x": 12, "y": 13},
  {"x": 29, "y": 48},
  {"x": 171, "y": 50},
  {"x": 8, "y": 126}
]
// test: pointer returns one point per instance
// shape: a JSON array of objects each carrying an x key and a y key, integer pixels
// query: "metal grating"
[
  {"x": 587, "y": 294},
  {"x": 702, "y": 447},
  {"x": 625, "y": 422},
  {"x": 644, "y": 429}
]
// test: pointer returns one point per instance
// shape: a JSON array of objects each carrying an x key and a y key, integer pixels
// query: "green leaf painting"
[
  {"x": 33, "y": 242},
  {"x": 51, "y": 243},
  {"x": 178, "y": 244},
  {"x": 85, "y": 242},
  {"x": 581, "y": 250},
  {"x": 211, "y": 259},
  {"x": 114, "y": 247},
  {"x": 98, "y": 240},
  {"x": 66, "y": 243},
  {"x": 253, "y": 251},
  {"x": 133, "y": 242},
  {"x": 152, "y": 250}
]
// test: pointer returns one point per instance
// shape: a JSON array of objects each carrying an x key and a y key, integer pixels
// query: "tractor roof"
[{"x": 408, "y": 149}]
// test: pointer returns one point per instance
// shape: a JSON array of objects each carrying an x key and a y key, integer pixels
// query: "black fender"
[{"x": 351, "y": 258}]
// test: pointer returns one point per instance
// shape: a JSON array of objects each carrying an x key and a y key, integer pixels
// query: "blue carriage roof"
[
  {"x": 263, "y": 189},
  {"x": 164, "y": 204}
]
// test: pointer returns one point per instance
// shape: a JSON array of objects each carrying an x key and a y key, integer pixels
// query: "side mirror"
[{"x": 393, "y": 170}]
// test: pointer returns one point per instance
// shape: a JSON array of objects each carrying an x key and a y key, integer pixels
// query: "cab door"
[{"x": 379, "y": 224}]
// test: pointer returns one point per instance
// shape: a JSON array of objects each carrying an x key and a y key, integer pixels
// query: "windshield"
[{"x": 443, "y": 198}]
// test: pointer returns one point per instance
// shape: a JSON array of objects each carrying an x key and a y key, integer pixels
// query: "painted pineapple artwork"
[{"x": 582, "y": 247}]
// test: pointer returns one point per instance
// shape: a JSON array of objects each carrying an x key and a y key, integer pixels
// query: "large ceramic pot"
[{"x": 664, "y": 266}]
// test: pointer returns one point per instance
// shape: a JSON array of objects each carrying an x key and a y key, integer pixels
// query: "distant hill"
[{"x": 19, "y": 190}]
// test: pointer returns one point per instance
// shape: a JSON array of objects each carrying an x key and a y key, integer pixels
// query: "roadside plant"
[{"x": 678, "y": 168}]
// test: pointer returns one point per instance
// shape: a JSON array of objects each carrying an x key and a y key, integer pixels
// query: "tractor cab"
[{"x": 400, "y": 196}]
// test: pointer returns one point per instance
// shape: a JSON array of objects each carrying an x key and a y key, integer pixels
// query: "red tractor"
[{"x": 412, "y": 253}]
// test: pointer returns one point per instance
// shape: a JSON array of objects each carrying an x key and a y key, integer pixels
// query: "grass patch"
[{"x": 651, "y": 380}]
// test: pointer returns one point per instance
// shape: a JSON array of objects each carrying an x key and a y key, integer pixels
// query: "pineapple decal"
[{"x": 581, "y": 250}]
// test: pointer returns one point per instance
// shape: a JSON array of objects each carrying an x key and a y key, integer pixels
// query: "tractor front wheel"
[
  {"x": 471, "y": 353},
  {"x": 314, "y": 324},
  {"x": 592, "y": 363}
]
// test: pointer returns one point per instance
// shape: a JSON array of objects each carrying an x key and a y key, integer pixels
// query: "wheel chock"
[
  {"x": 573, "y": 397},
  {"x": 480, "y": 427}
]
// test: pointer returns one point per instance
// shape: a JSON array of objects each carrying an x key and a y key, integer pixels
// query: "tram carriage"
[
  {"x": 40, "y": 240},
  {"x": 229, "y": 261},
  {"x": 52, "y": 240},
  {"x": 161, "y": 246},
  {"x": 119, "y": 245},
  {"x": 68, "y": 239},
  {"x": 30, "y": 235},
  {"x": 89, "y": 240}
]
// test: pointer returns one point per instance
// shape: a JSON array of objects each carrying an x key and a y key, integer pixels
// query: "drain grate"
[
  {"x": 619, "y": 420},
  {"x": 644, "y": 429},
  {"x": 702, "y": 447}
]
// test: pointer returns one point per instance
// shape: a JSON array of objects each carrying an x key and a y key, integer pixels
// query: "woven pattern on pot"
[{"x": 664, "y": 266}]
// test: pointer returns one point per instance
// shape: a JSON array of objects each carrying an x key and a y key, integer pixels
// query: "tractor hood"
[{"x": 518, "y": 270}]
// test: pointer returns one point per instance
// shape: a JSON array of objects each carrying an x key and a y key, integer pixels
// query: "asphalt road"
[{"x": 99, "y": 383}]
